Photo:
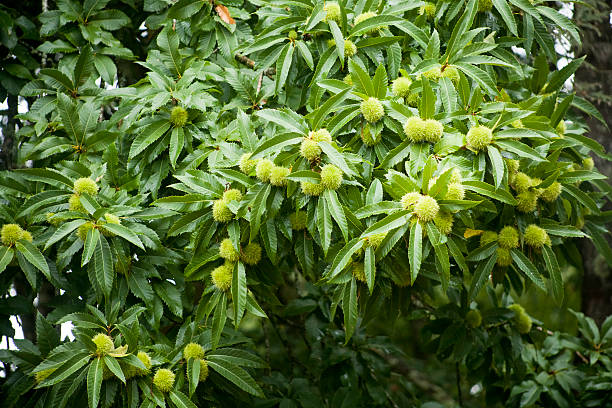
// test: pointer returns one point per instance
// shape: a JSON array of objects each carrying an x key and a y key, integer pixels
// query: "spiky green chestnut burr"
[
  {"x": 247, "y": 165},
  {"x": 522, "y": 321},
  {"x": 227, "y": 251},
  {"x": 193, "y": 350},
  {"x": 375, "y": 240},
  {"x": 433, "y": 74},
  {"x": 321, "y": 135},
  {"x": 455, "y": 191},
  {"x": 535, "y": 236},
  {"x": 146, "y": 360},
  {"x": 426, "y": 208},
  {"x": 83, "y": 230},
  {"x": 85, "y": 185},
  {"x": 221, "y": 213},
  {"x": 309, "y": 149},
  {"x": 348, "y": 79},
  {"x": 560, "y": 129},
  {"x": 222, "y": 276},
  {"x": 10, "y": 234},
  {"x": 414, "y": 128},
  {"x": 263, "y": 169},
  {"x": 178, "y": 116},
  {"x": 551, "y": 193},
  {"x": 278, "y": 176},
  {"x": 401, "y": 87},
  {"x": 292, "y": 35},
  {"x": 312, "y": 189},
  {"x": 112, "y": 219},
  {"x": 444, "y": 222},
  {"x": 485, "y": 5},
  {"x": 251, "y": 254},
  {"x": 473, "y": 318},
  {"x": 409, "y": 200},
  {"x": 487, "y": 237},
  {"x": 588, "y": 163},
  {"x": 364, "y": 16},
  {"x": 428, "y": 10},
  {"x": 350, "y": 49},
  {"x": 232, "y": 194},
  {"x": 332, "y": 12},
  {"x": 331, "y": 177},
  {"x": 298, "y": 220},
  {"x": 451, "y": 73},
  {"x": 368, "y": 138},
  {"x": 521, "y": 182},
  {"x": 433, "y": 130},
  {"x": 508, "y": 237},
  {"x": 74, "y": 203},
  {"x": 372, "y": 110},
  {"x": 527, "y": 201},
  {"x": 25, "y": 235},
  {"x": 203, "y": 370},
  {"x": 504, "y": 258},
  {"x": 479, "y": 137},
  {"x": 358, "y": 271},
  {"x": 164, "y": 380},
  {"x": 104, "y": 344}
]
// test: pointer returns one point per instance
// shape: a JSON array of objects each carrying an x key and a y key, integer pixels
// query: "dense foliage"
[{"x": 229, "y": 200}]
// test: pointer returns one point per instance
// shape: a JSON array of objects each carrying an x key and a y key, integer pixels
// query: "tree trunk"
[{"x": 592, "y": 82}]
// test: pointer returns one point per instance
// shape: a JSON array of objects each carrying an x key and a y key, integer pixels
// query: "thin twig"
[
  {"x": 243, "y": 59},
  {"x": 458, "y": 375}
]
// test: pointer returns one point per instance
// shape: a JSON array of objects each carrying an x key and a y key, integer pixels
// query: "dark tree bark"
[{"x": 593, "y": 82}]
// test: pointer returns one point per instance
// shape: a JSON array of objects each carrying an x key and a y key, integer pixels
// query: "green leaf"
[
  {"x": 124, "y": 233},
  {"x": 497, "y": 164},
  {"x": 113, "y": 366},
  {"x": 390, "y": 222},
  {"x": 84, "y": 66},
  {"x": 193, "y": 374},
  {"x": 94, "y": 382},
  {"x": 337, "y": 212},
  {"x": 555, "y": 273},
  {"x": 361, "y": 78},
  {"x": 525, "y": 265},
  {"x": 349, "y": 309},
  {"x": 506, "y": 13},
  {"x": 490, "y": 191},
  {"x": 103, "y": 266},
  {"x": 219, "y": 320},
  {"x": 336, "y": 158},
  {"x": 283, "y": 65},
  {"x": 70, "y": 118},
  {"x": 177, "y": 141},
  {"x": 415, "y": 250},
  {"x": 481, "y": 275},
  {"x": 276, "y": 144},
  {"x": 236, "y": 375},
  {"x": 58, "y": 79},
  {"x": 181, "y": 400},
  {"x": 89, "y": 247},
  {"x": 324, "y": 224},
  {"x": 72, "y": 365},
  {"x": 373, "y": 23},
  {"x": 6, "y": 256},
  {"x": 343, "y": 257},
  {"x": 558, "y": 78},
  {"x": 521, "y": 149},
  {"x": 147, "y": 136},
  {"x": 33, "y": 255},
  {"x": 183, "y": 9},
  {"x": 380, "y": 82},
  {"x": 168, "y": 41},
  {"x": 239, "y": 292},
  {"x": 369, "y": 265},
  {"x": 339, "y": 40}
]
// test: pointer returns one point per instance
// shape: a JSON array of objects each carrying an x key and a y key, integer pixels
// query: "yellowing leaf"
[{"x": 469, "y": 233}]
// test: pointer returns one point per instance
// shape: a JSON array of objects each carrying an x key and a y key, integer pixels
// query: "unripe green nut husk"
[
  {"x": 363, "y": 17},
  {"x": 222, "y": 276},
  {"x": 74, "y": 203},
  {"x": 409, "y": 200},
  {"x": 455, "y": 191},
  {"x": 332, "y": 12},
  {"x": 178, "y": 116},
  {"x": 401, "y": 87},
  {"x": 321, "y": 135},
  {"x": 146, "y": 360},
  {"x": 83, "y": 230},
  {"x": 444, "y": 222},
  {"x": 508, "y": 237},
  {"x": 350, "y": 49},
  {"x": 433, "y": 74},
  {"x": 104, "y": 344},
  {"x": 358, "y": 271},
  {"x": 428, "y": 10},
  {"x": 10, "y": 234},
  {"x": 232, "y": 194},
  {"x": 51, "y": 220},
  {"x": 203, "y": 370},
  {"x": 372, "y": 110},
  {"x": 485, "y": 5},
  {"x": 521, "y": 182},
  {"x": 522, "y": 321},
  {"x": 312, "y": 189},
  {"x": 221, "y": 213},
  {"x": 551, "y": 193},
  {"x": 504, "y": 257},
  {"x": 375, "y": 240},
  {"x": 426, "y": 208},
  {"x": 451, "y": 73},
  {"x": 247, "y": 165},
  {"x": 227, "y": 251},
  {"x": 348, "y": 80},
  {"x": 588, "y": 163},
  {"x": 433, "y": 130},
  {"x": 527, "y": 201},
  {"x": 309, "y": 149},
  {"x": 518, "y": 124},
  {"x": 292, "y": 35},
  {"x": 473, "y": 318},
  {"x": 263, "y": 169},
  {"x": 331, "y": 177},
  {"x": 488, "y": 237},
  {"x": 112, "y": 219},
  {"x": 298, "y": 220},
  {"x": 535, "y": 236},
  {"x": 414, "y": 128},
  {"x": 85, "y": 185},
  {"x": 251, "y": 254},
  {"x": 478, "y": 137},
  {"x": 278, "y": 176},
  {"x": 164, "y": 380},
  {"x": 561, "y": 128},
  {"x": 413, "y": 99},
  {"x": 193, "y": 350}
]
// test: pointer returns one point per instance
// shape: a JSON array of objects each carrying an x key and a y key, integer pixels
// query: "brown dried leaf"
[{"x": 224, "y": 14}]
